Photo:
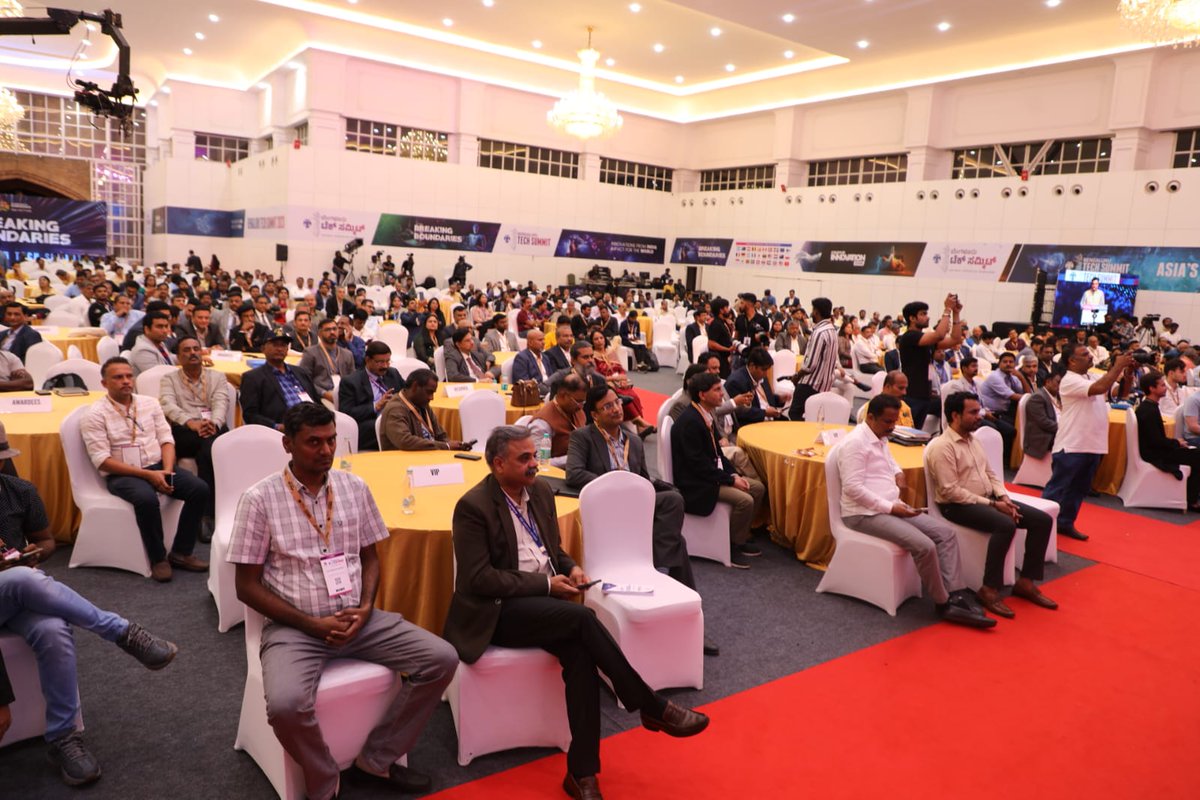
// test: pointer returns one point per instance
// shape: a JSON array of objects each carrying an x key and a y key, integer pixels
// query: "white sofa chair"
[
  {"x": 1033, "y": 471},
  {"x": 481, "y": 412},
  {"x": 706, "y": 537},
  {"x": 993, "y": 446},
  {"x": 1145, "y": 485}
]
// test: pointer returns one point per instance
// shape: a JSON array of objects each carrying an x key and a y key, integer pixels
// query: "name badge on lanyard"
[
  {"x": 130, "y": 454},
  {"x": 336, "y": 569}
]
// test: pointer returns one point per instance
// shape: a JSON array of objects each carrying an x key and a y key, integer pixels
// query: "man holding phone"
[{"x": 365, "y": 392}]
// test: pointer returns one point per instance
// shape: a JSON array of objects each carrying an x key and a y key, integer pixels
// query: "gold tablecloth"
[
  {"x": 504, "y": 356},
  {"x": 796, "y": 484},
  {"x": 42, "y": 460},
  {"x": 1111, "y": 472},
  {"x": 85, "y": 342},
  {"x": 417, "y": 562},
  {"x": 233, "y": 370},
  {"x": 446, "y": 409}
]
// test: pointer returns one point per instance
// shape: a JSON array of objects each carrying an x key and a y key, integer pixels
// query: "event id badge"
[
  {"x": 130, "y": 454},
  {"x": 206, "y": 414},
  {"x": 337, "y": 574},
  {"x": 304, "y": 398}
]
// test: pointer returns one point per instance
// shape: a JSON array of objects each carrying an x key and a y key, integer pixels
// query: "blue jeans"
[
  {"x": 41, "y": 610},
  {"x": 1070, "y": 481},
  {"x": 141, "y": 495}
]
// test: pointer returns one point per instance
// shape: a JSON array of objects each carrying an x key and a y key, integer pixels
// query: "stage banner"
[
  {"x": 961, "y": 261},
  {"x": 1159, "y": 269},
  {"x": 898, "y": 260},
  {"x": 50, "y": 226},
  {"x": 527, "y": 240},
  {"x": 401, "y": 230},
  {"x": 611, "y": 247},
  {"x": 267, "y": 223},
  {"x": 205, "y": 222},
  {"x": 763, "y": 255},
  {"x": 337, "y": 225},
  {"x": 710, "y": 252}
]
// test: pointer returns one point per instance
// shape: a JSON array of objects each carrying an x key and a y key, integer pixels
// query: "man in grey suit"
[
  {"x": 500, "y": 338},
  {"x": 325, "y": 359},
  {"x": 605, "y": 446},
  {"x": 1041, "y": 418},
  {"x": 464, "y": 363}
]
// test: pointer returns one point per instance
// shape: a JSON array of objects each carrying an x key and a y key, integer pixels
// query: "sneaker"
[
  {"x": 73, "y": 760},
  {"x": 206, "y": 530},
  {"x": 153, "y": 652},
  {"x": 737, "y": 560},
  {"x": 750, "y": 549}
]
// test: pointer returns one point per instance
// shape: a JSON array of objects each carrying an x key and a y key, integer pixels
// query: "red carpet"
[
  {"x": 651, "y": 401},
  {"x": 1098, "y": 700},
  {"x": 1145, "y": 546}
]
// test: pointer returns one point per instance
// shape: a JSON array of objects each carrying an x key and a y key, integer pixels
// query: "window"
[
  {"x": 527, "y": 158},
  {"x": 630, "y": 173},
  {"x": 382, "y": 138},
  {"x": 758, "y": 177},
  {"x": 867, "y": 169},
  {"x": 221, "y": 149},
  {"x": 300, "y": 133},
  {"x": 1064, "y": 157},
  {"x": 1187, "y": 148}
]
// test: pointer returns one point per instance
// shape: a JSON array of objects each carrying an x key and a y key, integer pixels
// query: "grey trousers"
[
  {"x": 670, "y": 549},
  {"x": 292, "y": 662},
  {"x": 741, "y": 462},
  {"x": 744, "y": 505},
  {"x": 932, "y": 544}
]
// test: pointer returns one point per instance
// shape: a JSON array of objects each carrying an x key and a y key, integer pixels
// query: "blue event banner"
[
  {"x": 895, "y": 259},
  {"x": 401, "y": 230},
  {"x": 610, "y": 247},
  {"x": 710, "y": 252},
  {"x": 51, "y": 226},
  {"x": 1159, "y": 269},
  {"x": 198, "y": 222}
]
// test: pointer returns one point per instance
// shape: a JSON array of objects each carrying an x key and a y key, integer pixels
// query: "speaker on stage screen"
[{"x": 281, "y": 252}]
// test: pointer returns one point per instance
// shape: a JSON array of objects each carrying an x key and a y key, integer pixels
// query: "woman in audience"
[
  {"x": 617, "y": 378},
  {"x": 43, "y": 290},
  {"x": 427, "y": 339},
  {"x": 480, "y": 312},
  {"x": 396, "y": 308},
  {"x": 1013, "y": 344},
  {"x": 845, "y": 341},
  {"x": 435, "y": 310}
]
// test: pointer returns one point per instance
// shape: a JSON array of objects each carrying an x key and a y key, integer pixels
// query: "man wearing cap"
[{"x": 271, "y": 389}]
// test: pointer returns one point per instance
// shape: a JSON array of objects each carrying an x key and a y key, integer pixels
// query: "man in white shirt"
[
  {"x": 871, "y": 504},
  {"x": 1098, "y": 352},
  {"x": 13, "y": 376},
  {"x": 122, "y": 318},
  {"x": 1082, "y": 438},
  {"x": 1175, "y": 372}
]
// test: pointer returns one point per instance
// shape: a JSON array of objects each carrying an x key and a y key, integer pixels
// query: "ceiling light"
[
  {"x": 679, "y": 79},
  {"x": 86, "y": 43},
  {"x": 152, "y": 103},
  {"x": 165, "y": 89},
  {"x": 610, "y": 62},
  {"x": 537, "y": 44},
  {"x": 863, "y": 44},
  {"x": 585, "y": 113},
  {"x": 1163, "y": 21},
  {"x": 788, "y": 54},
  {"x": 187, "y": 51},
  {"x": 262, "y": 85},
  {"x": 635, "y": 7},
  {"x": 294, "y": 65},
  {"x": 213, "y": 18},
  {"x": 715, "y": 31},
  {"x": 352, "y": 2},
  {"x": 199, "y": 36},
  {"x": 11, "y": 113},
  {"x": 447, "y": 21},
  {"x": 730, "y": 67},
  {"x": 489, "y": 3},
  {"x": 943, "y": 26},
  {"x": 789, "y": 18},
  {"x": 1053, "y": 3},
  {"x": 658, "y": 48}
]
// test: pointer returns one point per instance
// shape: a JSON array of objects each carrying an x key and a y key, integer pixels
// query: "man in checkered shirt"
[{"x": 306, "y": 561}]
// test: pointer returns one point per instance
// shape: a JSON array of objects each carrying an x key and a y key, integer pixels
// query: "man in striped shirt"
[{"x": 820, "y": 359}]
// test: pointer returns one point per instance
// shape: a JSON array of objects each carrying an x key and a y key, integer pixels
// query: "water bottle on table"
[
  {"x": 410, "y": 500},
  {"x": 543, "y": 451}
]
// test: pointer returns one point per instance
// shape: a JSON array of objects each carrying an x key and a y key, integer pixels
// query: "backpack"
[{"x": 64, "y": 380}]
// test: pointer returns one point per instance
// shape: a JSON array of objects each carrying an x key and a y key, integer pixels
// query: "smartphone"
[
  {"x": 42, "y": 392},
  {"x": 468, "y": 456},
  {"x": 169, "y": 478},
  {"x": 583, "y": 587}
]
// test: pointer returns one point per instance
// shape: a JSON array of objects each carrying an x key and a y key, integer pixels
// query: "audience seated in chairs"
[
  {"x": 408, "y": 423},
  {"x": 269, "y": 390},
  {"x": 530, "y": 364},
  {"x": 249, "y": 335},
  {"x": 364, "y": 394},
  {"x": 751, "y": 379},
  {"x": 150, "y": 350},
  {"x": 494, "y": 603},
  {"x": 1041, "y": 418},
  {"x": 631, "y": 337},
  {"x": 1158, "y": 449}
]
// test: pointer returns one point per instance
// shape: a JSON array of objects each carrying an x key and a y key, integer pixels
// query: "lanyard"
[
  {"x": 527, "y": 524},
  {"x": 570, "y": 421},
  {"x": 328, "y": 360},
  {"x": 196, "y": 390},
  {"x": 130, "y": 417},
  {"x": 621, "y": 460},
  {"x": 426, "y": 423},
  {"x": 324, "y": 534},
  {"x": 704, "y": 417}
]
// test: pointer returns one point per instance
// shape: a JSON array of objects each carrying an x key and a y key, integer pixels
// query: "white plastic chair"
[
  {"x": 108, "y": 533},
  {"x": 39, "y": 359},
  {"x": 871, "y": 569},
  {"x": 352, "y": 697},
  {"x": 347, "y": 433},
  {"x": 29, "y": 709},
  {"x": 706, "y": 537},
  {"x": 407, "y": 366},
  {"x": 993, "y": 446},
  {"x": 666, "y": 340},
  {"x": 661, "y": 634},
  {"x": 73, "y": 351},
  {"x": 439, "y": 363},
  {"x": 877, "y": 383},
  {"x": 66, "y": 317},
  {"x": 107, "y": 348},
  {"x": 663, "y": 411},
  {"x": 1145, "y": 485},
  {"x": 88, "y": 371},
  {"x": 699, "y": 347},
  {"x": 56, "y": 301},
  {"x": 834, "y": 407},
  {"x": 241, "y": 458},
  {"x": 480, "y": 413},
  {"x": 148, "y": 382},
  {"x": 506, "y": 371},
  {"x": 395, "y": 337}
]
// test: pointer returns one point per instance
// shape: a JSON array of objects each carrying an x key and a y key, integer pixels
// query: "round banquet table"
[
  {"x": 446, "y": 409},
  {"x": 233, "y": 370},
  {"x": 417, "y": 563},
  {"x": 1111, "y": 472},
  {"x": 63, "y": 338},
  {"x": 504, "y": 356},
  {"x": 42, "y": 460},
  {"x": 796, "y": 484}
]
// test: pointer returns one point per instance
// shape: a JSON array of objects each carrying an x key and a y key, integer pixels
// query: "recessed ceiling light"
[
  {"x": 152, "y": 103},
  {"x": 489, "y": 3},
  {"x": 294, "y": 65},
  {"x": 165, "y": 89},
  {"x": 635, "y": 7},
  {"x": 213, "y": 18},
  {"x": 788, "y": 54},
  {"x": 199, "y": 36},
  {"x": 789, "y": 18},
  {"x": 658, "y": 48},
  {"x": 447, "y": 21},
  {"x": 262, "y": 85},
  {"x": 679, "y": 79},
  {"x": 1053, "y": 3},
  {"x": 352, "y": 2},
  {"x": 715, "y": 31},
  {"x": 943, "y": 26},
  {"x": 863, "y": 44},
  {"x": 610, "y": 62},
  {"x": 730, "y": 67},
  {"x": 537, "y": 44},
  {"x": 187, "y": 51}
]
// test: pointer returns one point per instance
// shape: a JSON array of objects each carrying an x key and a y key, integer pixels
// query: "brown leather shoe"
[
  {"x": 587, "y": 788},
  {"x": 676, "y": 721},
  {"x": 990, "y": 599},
  {"x": 1026, "y": 589},
  {"x": 160, "y": 571},
  {"x": 188, "y": 563}
]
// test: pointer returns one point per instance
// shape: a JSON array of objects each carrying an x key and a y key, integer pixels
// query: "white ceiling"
[{"x": 495, "y": 44}]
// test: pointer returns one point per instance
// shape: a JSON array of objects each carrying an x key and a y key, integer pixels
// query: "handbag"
[{"x": 525, "y": 394}]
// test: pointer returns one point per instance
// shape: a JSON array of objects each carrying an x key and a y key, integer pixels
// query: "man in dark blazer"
[
  {"x": 20, "y": 336},
  {"x": 513, "y": 578},
  {"x": 704, "y": 476},
  {"x": 1041, "y": 418},
  {"x": 365, "y": 392},
  {"x": 559, "y": 356},
  {"x": 460, "y": 348},
  {"x": 698, "y": 327},
  {"x": 752, "y": 378},
  {"x": 528, "y": 364},
  {"x": 1158, "y": 449},
  {"x": 248, "y": 335},
  {"x": 605, "y": 446},
  {"x": 270, "y": 390}
]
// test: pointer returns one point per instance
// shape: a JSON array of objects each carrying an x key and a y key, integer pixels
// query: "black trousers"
[
  {"x": 571, "y": 632},
  {"x": 1184, "y": 457},
  {"x": 803, "y": 392},
  {"x": 1001, "y": 529},
  {"x": 921, "y": 407},
  {"x": 189, "y": 444}
]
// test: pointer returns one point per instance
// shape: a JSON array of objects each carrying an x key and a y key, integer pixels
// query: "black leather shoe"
[
  {"x": 153, "y": 652},
  {"x": 962, "y": 616},
  {"x": 1072, "y": 532},
  {"x": 711, "y": 649},
  {"x": 676, "y": 721},
  {"x": 76, "y": 765},
  {"x": 399, "y": 777},
  {"x": 587, "y": 788}
]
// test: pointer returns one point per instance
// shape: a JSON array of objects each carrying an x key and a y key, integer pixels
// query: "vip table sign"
[
  {"x": 225, "y": 355},
  {"x": 437, "y": 475},
  {"x": 458, "y": 389},
  {"x": 25, "y": 405}
]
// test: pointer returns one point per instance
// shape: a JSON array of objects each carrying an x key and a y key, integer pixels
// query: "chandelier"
[
  {"x": 1164, "y": 21},
  {"x": 11, "y": 113},
  {"x": 585, "y": 113}
]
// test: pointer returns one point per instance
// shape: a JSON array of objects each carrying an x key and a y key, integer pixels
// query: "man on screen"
[{"x": 1093, "y": 304}]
